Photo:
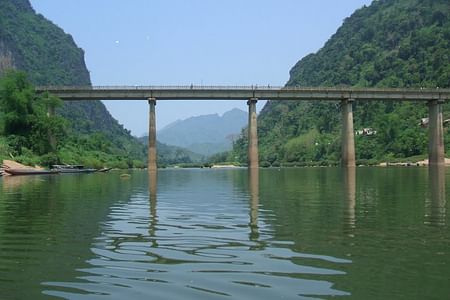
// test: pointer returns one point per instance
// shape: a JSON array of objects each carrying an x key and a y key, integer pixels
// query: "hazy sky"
[{"x": 179, "y": 42}]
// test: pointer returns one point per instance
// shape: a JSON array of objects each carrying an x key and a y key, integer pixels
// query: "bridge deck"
[{"x": 242, "y": 93}]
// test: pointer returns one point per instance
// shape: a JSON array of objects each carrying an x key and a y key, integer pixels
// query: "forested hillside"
[
  {"x": 49, "y": 56},
  {"x": 391, "y": 43}
]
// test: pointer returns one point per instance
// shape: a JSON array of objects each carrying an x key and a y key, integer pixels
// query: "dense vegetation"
[
  {"x": 28, "y": 133},
  {"x": 31, "y": 43},
  {"x": 86, "y": 133},
  {"x": 24, "y": 121},
  {"x": 391, "y": 43},
  {"x": 39, "y": 47}
]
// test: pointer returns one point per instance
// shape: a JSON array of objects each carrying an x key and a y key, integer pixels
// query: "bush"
[
  {"x": 276, "y": 164},
  {"x": 16, "y": 143},
  {"x": 265, "y": 164},
  {"x": 119, "y": 165},
  {"x": 139, "y": 164},
  {"x": 28, "y": 160},
  {"x": 92, "y": 163},
  {"x": 49, "y": 160}
]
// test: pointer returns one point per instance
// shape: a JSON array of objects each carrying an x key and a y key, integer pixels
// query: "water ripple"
[{"x": 173, "y": 249}]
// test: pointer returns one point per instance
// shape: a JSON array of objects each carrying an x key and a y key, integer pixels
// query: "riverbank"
[
  {"x": 10, "y": 164},
  {"x": 411, "y": 163}
]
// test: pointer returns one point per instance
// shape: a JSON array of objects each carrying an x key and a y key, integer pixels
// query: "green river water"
[{"x": 312, "y": 233}]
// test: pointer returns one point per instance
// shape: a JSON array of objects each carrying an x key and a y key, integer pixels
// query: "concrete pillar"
[
  {"x": 436, "y": 152},
  {"x": 348, "y": 135},
  {"x": 152, "y": 136},
  {"x": 252, "y": 134}
]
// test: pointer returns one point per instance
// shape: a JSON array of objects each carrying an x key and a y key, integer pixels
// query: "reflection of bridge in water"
[
  {"x": 238, "y": 254},
  {"x": 434, "y": 97}
]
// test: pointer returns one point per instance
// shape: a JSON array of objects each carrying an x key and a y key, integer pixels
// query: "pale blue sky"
[{"x": 179, "y": 42}]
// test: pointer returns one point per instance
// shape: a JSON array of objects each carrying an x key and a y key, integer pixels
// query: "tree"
[
  {"x": 16, "y": 96},
  {"x": 25, "y": 121}
]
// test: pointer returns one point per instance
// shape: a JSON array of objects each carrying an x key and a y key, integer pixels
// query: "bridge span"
[
  {"x": 433, "y": 97},
  {"x": 68, "y": 93}
]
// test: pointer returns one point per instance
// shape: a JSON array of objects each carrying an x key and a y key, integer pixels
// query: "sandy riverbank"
[
  {"x": 10, "y": 164},
  {"x": 417, "y": 163}
]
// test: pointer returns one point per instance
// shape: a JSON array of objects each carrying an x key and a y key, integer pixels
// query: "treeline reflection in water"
[{"x": 219, "y": 234}]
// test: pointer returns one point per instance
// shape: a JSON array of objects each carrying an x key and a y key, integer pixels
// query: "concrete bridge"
[{"x": 433, "y": 97}]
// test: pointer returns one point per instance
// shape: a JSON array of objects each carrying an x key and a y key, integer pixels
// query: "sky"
[{"x": 200, "y": 42}]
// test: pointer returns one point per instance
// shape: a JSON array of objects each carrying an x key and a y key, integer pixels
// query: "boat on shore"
[
  {"x": 25, "y": 171},
  {"x": 72, "y": 169},
  {"x": 103, "y": 170}
]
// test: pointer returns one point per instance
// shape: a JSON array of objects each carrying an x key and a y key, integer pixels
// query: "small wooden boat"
[
  {"x": 30, "y": 172},
  {"x": 72, "y": 169},
  {"x": 104, "y": 170}
]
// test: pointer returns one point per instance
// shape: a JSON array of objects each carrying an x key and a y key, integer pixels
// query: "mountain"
[
  {"x": 206, "y": 135},
  {"x": 391, "y": 43},
  {"x": 30, "y": 42},
  {"x": 49, "y": 56},
  {"x": 169, "y": 155}
]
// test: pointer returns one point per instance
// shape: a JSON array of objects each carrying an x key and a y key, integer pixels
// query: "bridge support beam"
[
  {"x": 348, "y": 135},
  {"x": 436, "y": 152},
  {"x": 152, "y": 136},
  {"x": 253, "y": 162}
]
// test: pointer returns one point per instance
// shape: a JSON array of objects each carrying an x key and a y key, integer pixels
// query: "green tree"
[
  {"x": 25, "y": 119},
  {"x": 16, "y": 95}
]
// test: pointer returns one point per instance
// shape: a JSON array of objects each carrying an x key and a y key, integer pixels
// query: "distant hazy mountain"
[
  {"x": 168, "y": 155},
  {"x": 206, "y": 135}
]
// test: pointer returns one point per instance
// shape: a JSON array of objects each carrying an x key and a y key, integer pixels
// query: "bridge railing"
[
  {"x": 235, "y": 87},
  {"x": 161, "y": 87}
]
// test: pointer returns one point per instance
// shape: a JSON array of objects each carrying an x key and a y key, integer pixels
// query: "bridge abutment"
[
  {"x": 348, "y": 135},
  {"x": 436, "y": 150},
  {"x": 152, "y": 167},
  {"x": 253, "y": 160}
]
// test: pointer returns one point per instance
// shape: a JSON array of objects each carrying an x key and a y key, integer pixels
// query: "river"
[{"x": 307, "y": 233}]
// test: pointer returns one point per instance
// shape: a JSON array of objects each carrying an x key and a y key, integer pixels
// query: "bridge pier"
[
  {"x": 436, "y": 152},
  {"x": 253, "y": 160},
  {"x": 152, "y": 167},
  {"x": 348, "y": 135}
]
